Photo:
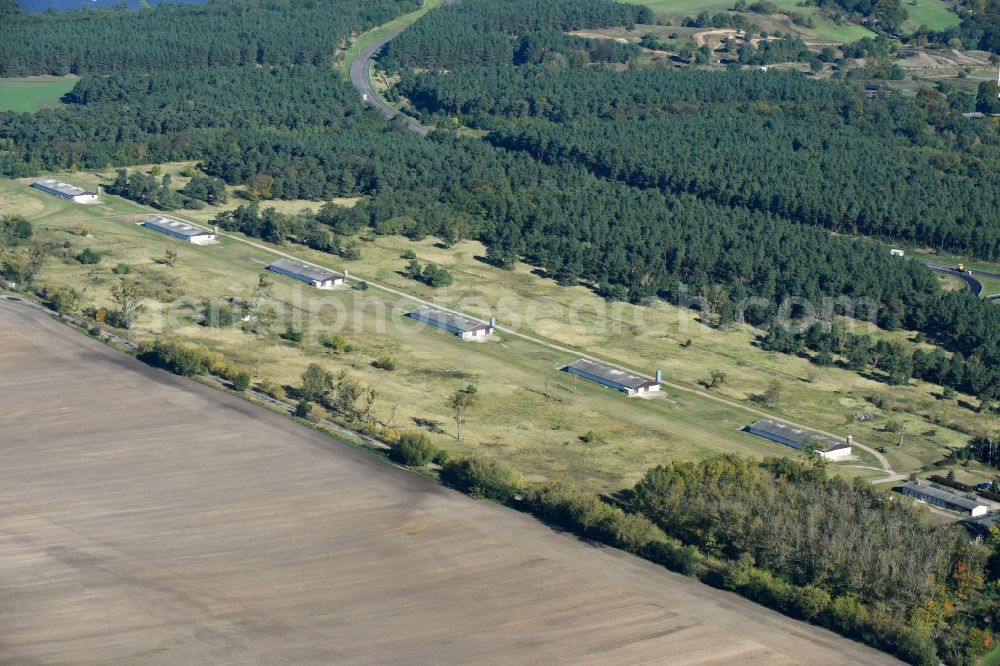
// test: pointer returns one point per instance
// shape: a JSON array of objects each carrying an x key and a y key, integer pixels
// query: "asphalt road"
[
  {"x": 975, "y": 286},
  {"x": 360, "y": 80}
]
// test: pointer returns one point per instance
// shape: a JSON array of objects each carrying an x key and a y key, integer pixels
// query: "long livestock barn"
[
  {"x": 178, "y": 229},
  {"x": 463, "y": 327},
  {"x": 318, "y": 277},
  {"x": 927, "y": 492},
  {"x": 612, "y": 377},
  {"x": 66, "y": 191},
  {"x": 799, "y": 439}
]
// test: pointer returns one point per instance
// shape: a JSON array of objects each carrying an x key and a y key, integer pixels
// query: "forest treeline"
[
  {"x": 484, "y": 31},
  {"x": 842, "y": 541},
  {"x": 812, "y": 152},
  {"x": 134, "y": 117},
  {"x": 220, "y": 33}
]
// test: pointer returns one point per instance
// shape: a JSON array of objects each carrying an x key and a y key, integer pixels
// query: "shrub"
[
  {"x": 414, "y": 449},
  {"x": 122, "y": 269},
  {"x": 893, "y": 426},
  {"x": 810, "y": 602},
  {"x": 174, "y": 356},
  {"x": 440, "y": 457},
  {"x": 563, "y": 504},
  {"x": 336, "y": 344},
  {"x": 686, "y": 560},
  {"x": 482, "y": 478},
  {"x": 273, "y": 389},
  {"x": 385, "y": 362},
  {"x": 60, "y": 299},
  {"x": 293, "y": 334},
  {"x": 302, "y": 409},
  {"x": 89, "y": 256},
  {"x": 951, "y": 482},
  {"x": 241, "y": 380}
]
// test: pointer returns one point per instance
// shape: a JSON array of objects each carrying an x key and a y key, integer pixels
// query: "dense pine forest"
[
  {"x": 805, "y": 150},
  {"x": 222, "y": 32}
]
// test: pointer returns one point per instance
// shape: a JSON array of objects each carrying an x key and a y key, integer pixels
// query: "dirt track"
[{"x": 146, "y": 519}]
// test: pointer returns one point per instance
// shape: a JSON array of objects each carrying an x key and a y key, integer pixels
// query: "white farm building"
[
  {"x": 463, "y": 327},
  {"x": 944, "y": 498},
  {"x": 620, "y": 380},
  {"x": 66, "y": 191},
  {"x": 318, "y": 277},
  {"x": 179, "y": 229},
  {"x": 799, "y": 439}
]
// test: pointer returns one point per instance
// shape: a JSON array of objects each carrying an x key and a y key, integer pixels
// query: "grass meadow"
[{"x": 31, "y": 94}]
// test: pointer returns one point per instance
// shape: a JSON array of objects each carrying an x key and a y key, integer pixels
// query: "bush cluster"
[{"x": 189, "y": 361}]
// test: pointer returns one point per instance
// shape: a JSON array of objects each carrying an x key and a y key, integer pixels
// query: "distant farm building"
[
  {"x": 179, "y": 229},
  {"x": 463, "y": 327},
  {"x": 799, "y": 439},
  {"x": 612, "y": 377},
  {"x": 66, "y": 191},
  {"x": 318, "y": 277},
  {"x": 928, "y": 492}
]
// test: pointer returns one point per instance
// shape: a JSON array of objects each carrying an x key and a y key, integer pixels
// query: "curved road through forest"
[
  {"x": 361, "y": 80},
  {"x": 969, "y": 278}
]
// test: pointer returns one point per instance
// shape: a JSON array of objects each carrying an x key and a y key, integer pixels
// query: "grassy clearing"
[
  {"x": 373, "y": 35},
  {"x": 646, "y": 338},
  {"x": 31, "y": 94},
  {"x": 824, "y": 30},
  {"x": 531, "y": 414},
  {"x": 935, "y": 14}
]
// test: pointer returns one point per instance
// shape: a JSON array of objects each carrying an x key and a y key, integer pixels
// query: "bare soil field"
[{"x": 148, "y": 519}]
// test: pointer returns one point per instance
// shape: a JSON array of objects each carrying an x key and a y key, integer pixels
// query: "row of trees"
[
  {"x": 842, "y": 540},
  {"x": 978, "y": 374}
]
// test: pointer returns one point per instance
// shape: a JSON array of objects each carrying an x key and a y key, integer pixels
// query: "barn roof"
[
  {"x": 447, "y": 319},
  {"x": 611, "y": 374},
  {"x": 164, "y": 223},
  {"x": 305, "y": 270},
  {"x": 801, "y": 437},
  {"x": 64, "y": 188},
  {"x": 930, "y": 490}
]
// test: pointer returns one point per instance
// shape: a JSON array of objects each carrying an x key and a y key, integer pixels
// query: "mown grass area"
[
  {"x": 373, "y": 35},
  {"x": 935, "y": 14},
  {"x": 824, "y": 29},
  {"x": 991, "y": 659},
  {"x": 31, "y": 94},
  {"x": 531, "y": 414}
]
